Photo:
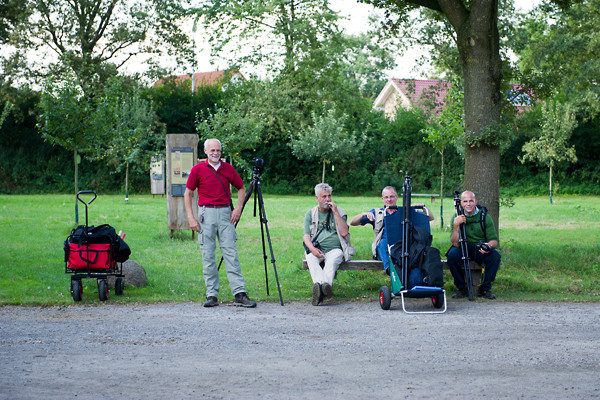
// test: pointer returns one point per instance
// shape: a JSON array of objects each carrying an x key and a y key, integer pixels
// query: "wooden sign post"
[{"x": 182, "y": 155}]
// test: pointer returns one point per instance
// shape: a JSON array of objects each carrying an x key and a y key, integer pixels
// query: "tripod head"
[
  {"x": 257, "y": 165},
  {"x": 459, "y": 210}
]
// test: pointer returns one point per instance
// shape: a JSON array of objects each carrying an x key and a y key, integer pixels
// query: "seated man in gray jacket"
[{"x": 326, "y": 238}]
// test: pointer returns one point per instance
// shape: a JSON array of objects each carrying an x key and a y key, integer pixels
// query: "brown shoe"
[
  {"x": 242, "y": 300},
  {"x": 211, "y": 301},
  {"x": 327, "y": 290},
  {"x": 317, "y": 295},
  {"x": 486, "y": 294}
]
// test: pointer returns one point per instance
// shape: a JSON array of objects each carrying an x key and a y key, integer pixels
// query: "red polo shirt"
[{"x": 210, "y": 191}]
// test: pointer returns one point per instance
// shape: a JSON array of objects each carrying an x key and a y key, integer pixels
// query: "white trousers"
[{"x": 333, "y": 259}]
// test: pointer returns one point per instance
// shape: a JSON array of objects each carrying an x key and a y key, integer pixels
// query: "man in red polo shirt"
[{"x": 216, "y": 219}]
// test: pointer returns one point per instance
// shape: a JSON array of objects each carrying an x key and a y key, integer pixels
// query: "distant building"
[
  {"x": 429, "y": 96},
  {"x": 199, "y": 79}
]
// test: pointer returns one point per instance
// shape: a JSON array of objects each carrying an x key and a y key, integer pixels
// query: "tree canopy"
[{"x": 94, "y": 38}]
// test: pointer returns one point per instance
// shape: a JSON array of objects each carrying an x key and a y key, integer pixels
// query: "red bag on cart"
[
  {"x": 92, "y": 256},
  {"x": 95, "y": 248}
]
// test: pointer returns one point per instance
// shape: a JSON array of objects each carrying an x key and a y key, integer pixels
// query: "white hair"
[
  {"x": 322, "y": 187},
  {"x": 208, "y": 140}
]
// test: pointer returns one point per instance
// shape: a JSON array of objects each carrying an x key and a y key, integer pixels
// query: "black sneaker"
[
  {"x": 317, "y": 295},
  {"x": 460, "y": 294},
  {"x": 486, "y": 294},
  {"x": 211, "y": 301},
  {"x": 242, "y": 300},
  {"x": 327, "y": 290}
]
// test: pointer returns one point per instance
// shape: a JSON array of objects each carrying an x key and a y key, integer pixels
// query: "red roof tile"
[{"x": 201, "y": 78}]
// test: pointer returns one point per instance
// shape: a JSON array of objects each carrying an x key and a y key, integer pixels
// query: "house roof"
[
  {"x": 425, "y": 94},
  {"x": 204, "y": 78},
  {"x": 428, "y": 95}
]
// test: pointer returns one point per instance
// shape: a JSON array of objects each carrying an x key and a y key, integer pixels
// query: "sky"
[
  {"x": 357, "y": 14},
  {"x": 406, "y": 64}
]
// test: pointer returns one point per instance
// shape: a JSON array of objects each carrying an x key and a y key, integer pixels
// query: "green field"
[{"x": 549, "y": 252}]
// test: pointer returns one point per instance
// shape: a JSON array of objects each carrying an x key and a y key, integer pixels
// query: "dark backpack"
[
  {"x": 420, "y": 239},
  {"x": 421, "y": 255},
  {"x": 432, "y": 267}
]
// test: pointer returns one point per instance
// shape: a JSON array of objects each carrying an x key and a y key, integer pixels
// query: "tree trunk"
[
  {"x": 550, "y": 183},
  {"x": 323, "y": 176},
  {"x": 126, "y": 182},
  {"x": 479, "y": 49}
]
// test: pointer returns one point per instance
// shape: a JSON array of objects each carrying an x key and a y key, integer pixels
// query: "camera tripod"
[
  {"x": 255, "y": 188},
  {"x": 464, "y": 248}
]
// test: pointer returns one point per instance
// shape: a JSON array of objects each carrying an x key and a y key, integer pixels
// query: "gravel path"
[{"x": 481, "y": 349}]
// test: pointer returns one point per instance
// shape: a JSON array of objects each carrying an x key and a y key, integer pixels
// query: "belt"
[{"x": 215, "y": 205}]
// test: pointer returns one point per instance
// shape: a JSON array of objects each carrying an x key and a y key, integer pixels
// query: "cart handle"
[{"x": 86, "y": 192}]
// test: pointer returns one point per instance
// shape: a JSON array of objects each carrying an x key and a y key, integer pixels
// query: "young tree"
[
  {"x": 132, "y": 119},
  {"x": 327, "y": 140},
  {"x": 235, "y": 131},
  {"x": 445, "y": 131},
  {"x": 67, "y": 119},
  {"x": 558, "y": 122}
]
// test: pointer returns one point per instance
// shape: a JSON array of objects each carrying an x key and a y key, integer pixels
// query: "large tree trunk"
[{"x": 479, "y": 48}]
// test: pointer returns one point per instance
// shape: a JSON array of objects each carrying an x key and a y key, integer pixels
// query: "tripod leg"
[
  {"x": 466, "y": 264},
  {"x": 264, "y": 221}
]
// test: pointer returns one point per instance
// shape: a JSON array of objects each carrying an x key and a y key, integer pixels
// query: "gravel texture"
[{"x": 481, "y": 349}]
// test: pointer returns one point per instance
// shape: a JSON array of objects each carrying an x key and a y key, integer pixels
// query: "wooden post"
[{"x": 182, "y": 155}]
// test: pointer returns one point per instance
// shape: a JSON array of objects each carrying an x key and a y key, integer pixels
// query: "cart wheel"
[
  {"x": 438, "y": 300},
  {"x": 119, "y": 286},
  {"x": 103, "y": 289},
  {"x": 385, "y": 298},
  {"x": 76, "y": 289}
]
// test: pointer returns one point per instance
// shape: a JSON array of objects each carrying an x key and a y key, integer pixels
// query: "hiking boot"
[
  {"x": 327, "y": 290},
  {"x": 211, "y": 301},
  {"x": 242, "y": 300},
  {"x": 460, "y": 294},
  {"x": 317, "y": 295},
  {"x": 486, "y": 294}
]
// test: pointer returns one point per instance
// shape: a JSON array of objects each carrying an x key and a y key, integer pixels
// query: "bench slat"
[
  {"x": 355, "y": 265},
  {"x": 368, "y": 265}
]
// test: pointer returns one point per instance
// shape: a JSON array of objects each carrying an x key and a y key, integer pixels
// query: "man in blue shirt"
[{"x": 376, "y": 219}]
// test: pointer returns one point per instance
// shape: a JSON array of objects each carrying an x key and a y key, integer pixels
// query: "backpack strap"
[{"x": 483, "y": 211}]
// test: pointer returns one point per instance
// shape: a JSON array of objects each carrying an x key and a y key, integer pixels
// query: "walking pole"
[
  {"x": 463, "y": 247},
  {"x": 406, "y": 237}
]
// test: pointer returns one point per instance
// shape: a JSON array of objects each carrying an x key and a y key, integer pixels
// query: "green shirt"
[
  {"x": 473, "y": 228},
  {"x": 328, "y": 238}
]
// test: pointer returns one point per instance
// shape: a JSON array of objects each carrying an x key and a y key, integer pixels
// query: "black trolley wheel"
[
  {"x": 438, "y": 300},
  {"x": 119, "y": 286},
  {"x": 385, "y": 298},
  {"x": 76, "y": 289},
  {"x": 102, "y": 289}
]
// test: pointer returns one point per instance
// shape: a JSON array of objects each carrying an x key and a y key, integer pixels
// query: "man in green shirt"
[
  {"x": 482, "y": 241},
  {"x": 325, "y": 226}
]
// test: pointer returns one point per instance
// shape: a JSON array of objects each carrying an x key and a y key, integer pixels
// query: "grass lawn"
[{"x": 549, "y": 252}]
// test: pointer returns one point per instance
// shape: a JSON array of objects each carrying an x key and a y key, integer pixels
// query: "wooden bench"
[
  {"x": 356, "y": 265},
  {"x": 376, "y": 265}
]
